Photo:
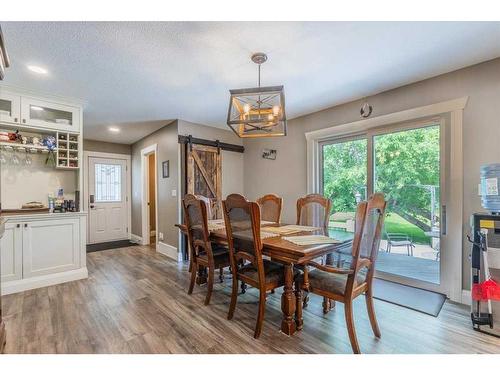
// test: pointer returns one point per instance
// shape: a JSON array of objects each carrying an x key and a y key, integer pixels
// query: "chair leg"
[
  {"x": 234, "y": 296},
  {"x": 299, "y": 322},
  {"x": 327, "y": 305},
  {"x": 305, "y": 299},
  {"x": 194, "y": 269},
  {"x": 210, "y": 285},
  {"x": 371, "y": 313},
  {"x": 221, "y": 274},
  {"x": 350, "y": 327},
  {"x": 260, "y": 316}
]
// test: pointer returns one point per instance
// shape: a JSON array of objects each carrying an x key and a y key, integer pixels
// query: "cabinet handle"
[
  {"x": 26, "y": 225},
  {"x": 18, "y": 225},
  {"x": 24, "y": 121},
  {"x": 15, "y": 119}
]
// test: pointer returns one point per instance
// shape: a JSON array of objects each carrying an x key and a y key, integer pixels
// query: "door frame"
[
  {"x": 452, "y": 112},
  {"x": 86, "y": 157},
  {"x": 145, "y": 224}
]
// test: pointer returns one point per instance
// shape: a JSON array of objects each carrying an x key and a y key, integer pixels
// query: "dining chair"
[
  {"x": 203, "y": 253},
  {"x": 270, "y": 207},
  {"x": 345, "y": 283},
  {"x": 242, "y": 220},
  {"x": 211, "y": 204},
  {"x": 314, "y": 210}
]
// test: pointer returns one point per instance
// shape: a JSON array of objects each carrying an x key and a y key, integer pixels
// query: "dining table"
[{"x": 290, "y": 255}]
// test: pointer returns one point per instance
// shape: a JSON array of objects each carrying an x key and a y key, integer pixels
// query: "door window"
[{"x": 108, "y": 182}]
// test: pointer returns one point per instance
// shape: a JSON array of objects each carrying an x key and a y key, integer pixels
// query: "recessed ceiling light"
[
  {"x": 37, "y": 69},
  {"x": 114, "y": 129}
]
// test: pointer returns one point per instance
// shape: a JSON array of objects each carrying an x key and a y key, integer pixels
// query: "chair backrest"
[
  {"x": 314, "y": 210},
  {"x": 365, "y": 250},
  {"x": 242, "y": 219},
  {"x": 270, "y": 207},
  {"x": 195, "y": 217}
]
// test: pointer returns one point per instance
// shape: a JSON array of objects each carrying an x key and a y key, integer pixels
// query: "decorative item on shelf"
[
  {"x": 165, "y": 166},
  {"x": 269, "y": 154},
  {"x": 257, "y": 112},
  {"x": 50, "y": 143},
  {"x": 31, "y": 205},
  {"x": 36, "y": 141},
  {"x": 366, "y": 110},
  {"x": 4, "y": 137}
]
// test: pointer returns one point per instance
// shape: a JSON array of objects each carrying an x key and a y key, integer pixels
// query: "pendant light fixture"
[{"x": 257, "y": 112}]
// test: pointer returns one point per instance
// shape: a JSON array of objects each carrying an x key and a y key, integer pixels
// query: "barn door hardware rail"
[{"x": 190, "y": 140}]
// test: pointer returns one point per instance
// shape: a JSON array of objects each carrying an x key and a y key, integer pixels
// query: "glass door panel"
[
  {"x": 9, "y": 107},
  {"x": 344, "y": 181},
  {"x": 406, "y": 168}
]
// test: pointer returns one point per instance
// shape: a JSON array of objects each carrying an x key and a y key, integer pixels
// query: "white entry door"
[{"x": 107, "y": 199}]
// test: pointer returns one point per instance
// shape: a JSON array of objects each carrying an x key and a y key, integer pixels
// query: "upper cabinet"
[
  {"x": 37, "y": 112},
  {"x": 42, "y": 114},
  {"x": 10, "y": 107}
]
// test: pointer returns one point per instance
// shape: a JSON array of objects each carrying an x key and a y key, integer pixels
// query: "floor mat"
[
  {"x": 406, "y": 296},
  {"x": 109, "y": 245}
]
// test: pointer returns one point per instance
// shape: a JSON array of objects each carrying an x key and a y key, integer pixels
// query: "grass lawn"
[{"x": 396, "y": 224}]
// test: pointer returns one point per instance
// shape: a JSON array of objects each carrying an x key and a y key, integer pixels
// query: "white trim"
[
  {"x": 144, "y": 186},
  {"x": 167, "y": 250},
  {"x": 179, "y": 198},
  {"x": 466, "y": 297},
  {"x": 455, "y": 202},
  {"x": 134, "y": 238},
  {"x": 17, "y": 286},
  {"x": 86, "y": 156}
]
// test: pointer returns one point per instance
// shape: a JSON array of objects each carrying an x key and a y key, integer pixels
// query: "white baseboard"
[
  {"x": 167, "y": 250},
  {"x": 17, "y": 286},
  {"x": 135, "y": 239},
  {"x": 466, "y": 297}
]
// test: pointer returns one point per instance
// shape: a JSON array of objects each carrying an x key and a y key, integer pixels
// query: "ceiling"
[{"x": 139, "y": 75}]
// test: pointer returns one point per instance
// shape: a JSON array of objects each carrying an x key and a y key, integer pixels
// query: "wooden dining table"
[{"x": 290, "y": 255}]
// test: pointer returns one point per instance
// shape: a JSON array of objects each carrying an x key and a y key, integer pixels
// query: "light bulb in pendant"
[
  {"x": 276, "y": 110},
  {"x": 270, "y": 117},
  {"x": 246, "y": 108}
]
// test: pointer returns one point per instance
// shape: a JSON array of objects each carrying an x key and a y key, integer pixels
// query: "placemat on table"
[
  {"x": 289, "y": 229},
  {"x": 311, "y": 240}
]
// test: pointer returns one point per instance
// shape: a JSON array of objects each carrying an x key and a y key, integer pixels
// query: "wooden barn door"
[{"x": 204, "y": 175}]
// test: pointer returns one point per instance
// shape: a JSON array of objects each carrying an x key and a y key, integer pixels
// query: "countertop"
[{"x": 35, "y": 216}]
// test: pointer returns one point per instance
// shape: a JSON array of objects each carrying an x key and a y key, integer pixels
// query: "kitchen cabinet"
[
  {"x": 49, "y": 115},
  {"x": 11, "y": 247},
  {"x": 10, "y": 107},
  {"x": 50, "y": 246},
  {"x": 42, "y": 249}
]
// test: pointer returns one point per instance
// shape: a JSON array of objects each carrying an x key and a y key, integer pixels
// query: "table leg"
[
  {"x": 288, "y": 303},
  {"x": 201, "y": 278}
]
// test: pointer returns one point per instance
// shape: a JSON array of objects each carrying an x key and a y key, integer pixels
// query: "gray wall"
[
  {"x": 168, "y": 149},
  {"x": 114, "y": 148},
  {"x": 287, "y": 174}
]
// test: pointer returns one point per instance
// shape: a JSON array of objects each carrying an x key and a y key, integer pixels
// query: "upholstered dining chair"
[
  {"x": 270, "y": 207},
  {"x": 203, "y": 253},
  {"x": 314, "y": 210},
  {"x": 211, "y": 204},
  {"x": 356, "y": 276},
  {"x": 242, "y": 220}
]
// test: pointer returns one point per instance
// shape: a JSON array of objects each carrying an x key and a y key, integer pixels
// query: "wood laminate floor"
[{"x": 135, "y": 301}]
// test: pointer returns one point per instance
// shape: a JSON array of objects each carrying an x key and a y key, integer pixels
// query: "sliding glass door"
[{"x": 405, "y": 163}]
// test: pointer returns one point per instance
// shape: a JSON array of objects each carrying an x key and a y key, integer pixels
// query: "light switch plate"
[
  {"x": 174, "y": 193},
  {"x": 160, "y": 236}
]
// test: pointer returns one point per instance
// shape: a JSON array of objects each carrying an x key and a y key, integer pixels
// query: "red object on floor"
[{"x": 486, "y": 290}]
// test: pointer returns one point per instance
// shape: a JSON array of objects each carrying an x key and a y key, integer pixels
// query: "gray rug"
[{"x": 406, "y": 296}]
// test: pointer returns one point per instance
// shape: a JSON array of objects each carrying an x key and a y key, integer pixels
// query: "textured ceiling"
[{"x": 151, "y": 72}]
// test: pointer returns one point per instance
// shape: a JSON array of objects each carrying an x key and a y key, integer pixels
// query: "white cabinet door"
[
  {"x": 11, "y": 247},
  {"x": 49, "y": 115},
  {"x": 50, "y": 246},
  {"x": 10, "y": 107}
]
